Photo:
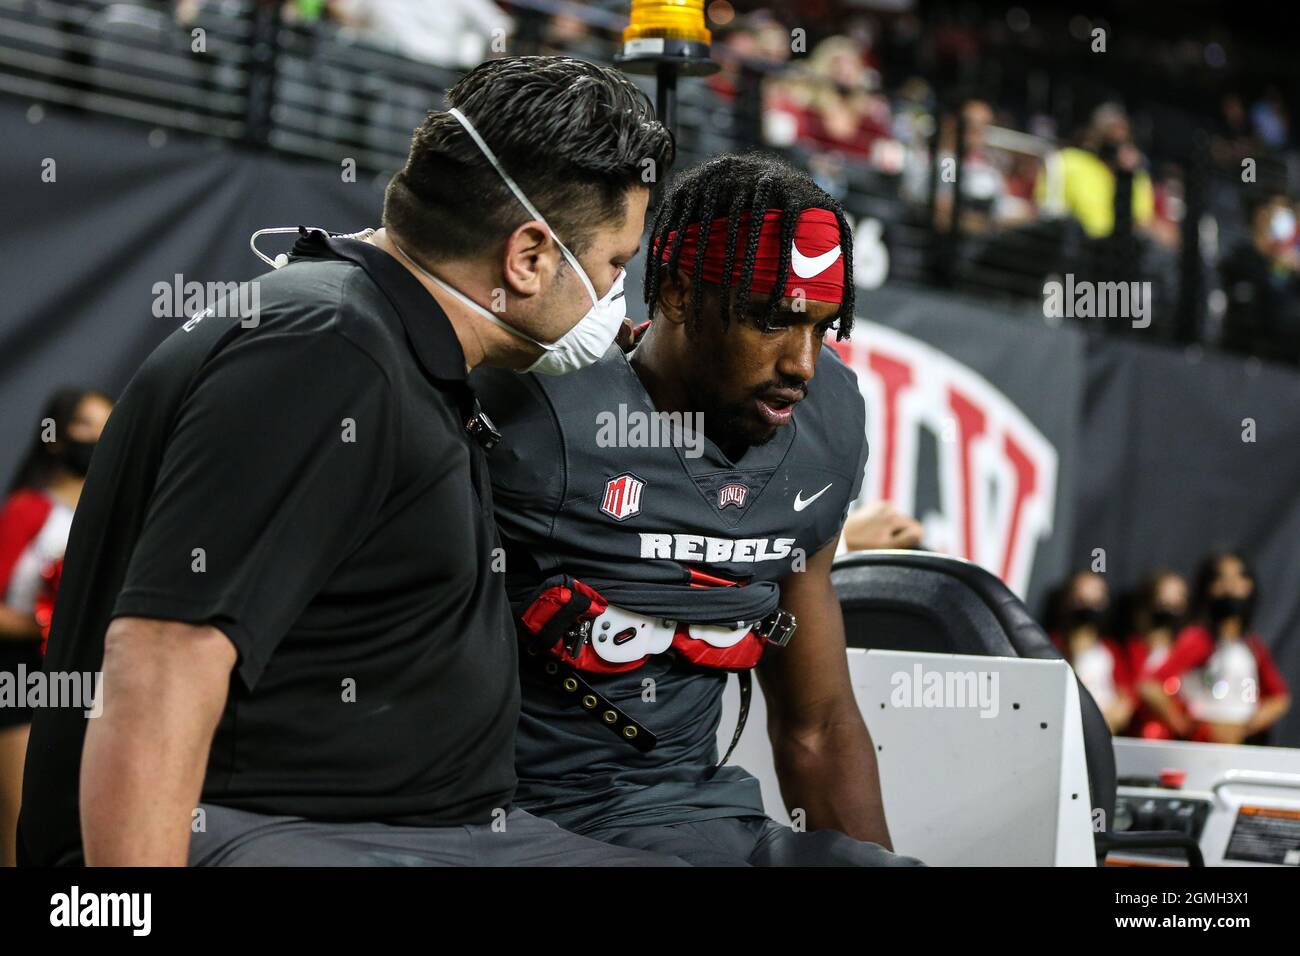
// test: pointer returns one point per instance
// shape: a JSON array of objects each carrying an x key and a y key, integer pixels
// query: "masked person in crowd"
[
  {"x": 1219, "y": 682},
  {"x": 1160, "y": 614},
  {"x": 1095, "y": 657},
  {"x": 284, "y": 552},
  {"x": 1261, "y": 279},
  {"x": 646, "y": 564},
  {"x": 34, "y": 523}
]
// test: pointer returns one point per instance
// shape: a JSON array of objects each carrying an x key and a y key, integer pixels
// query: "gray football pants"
[{"x": 238, "y": 838}]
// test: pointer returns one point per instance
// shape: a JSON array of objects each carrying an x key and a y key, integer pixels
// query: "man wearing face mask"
[
  {"x": 285, "y": 555},
  {"x": 1261, "y": 277}
]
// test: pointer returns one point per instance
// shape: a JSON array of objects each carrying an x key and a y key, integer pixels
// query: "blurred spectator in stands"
[
  {"x": 864, "y": 30},
  {"x": 1261, "y": 278},
  {"x": 1161, "y": 612},
  {"x": 1102, "y": 186},
  {"x": 1270, "y": 119},
  {"x": 568, "y": 35},
  {"x": 1021, "y": 177},
  {"x": 756, "y": 44},
  {"x": 914, "y": 113},
  {"x": 1168, "y": 207},
  {"x": 750, "y": 51},
  {"x": 452, "y": 33},
  {"x": 1081, "y": 635},
  {"x": 985, "y": 200},
  {"x": 1088, "y": 182},
  {"x": 1219, "y": 682},
  {"x": 727, "y": 111},
  {"x": 881, "y": 525},
  {"x": 1234, "y": 139},
  {"x": 833, "y": 105},
  {"x": 956, "y": 44},
  {"x": 292, "y": 11},
  {"x": 34, "y": 523},
  {"x": 734, "y": 50}
]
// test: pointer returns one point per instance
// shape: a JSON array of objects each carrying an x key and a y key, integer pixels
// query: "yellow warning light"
[{"x": 667, "y": 20}]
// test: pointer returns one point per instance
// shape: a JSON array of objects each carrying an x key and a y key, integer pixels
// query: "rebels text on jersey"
[{"x": 654, "y": 516}]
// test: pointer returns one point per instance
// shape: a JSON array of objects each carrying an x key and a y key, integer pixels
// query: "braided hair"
[{"x": 731, "y": 185}]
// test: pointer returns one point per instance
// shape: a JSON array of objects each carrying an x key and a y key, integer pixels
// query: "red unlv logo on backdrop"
[{"x": 996, "y": 471}]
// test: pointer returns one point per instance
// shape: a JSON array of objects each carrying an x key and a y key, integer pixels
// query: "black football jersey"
[
  {"x": 591, "y": 481},
  {"x": 584, "y": 483}
]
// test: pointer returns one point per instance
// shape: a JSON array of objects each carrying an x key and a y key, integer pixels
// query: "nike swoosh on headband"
[{"x": 805, "y": 267}]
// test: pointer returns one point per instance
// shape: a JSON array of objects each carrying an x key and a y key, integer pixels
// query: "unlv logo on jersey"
[
  {"x": 622, "y": 497},
  {"x": 732, "y": 495}
]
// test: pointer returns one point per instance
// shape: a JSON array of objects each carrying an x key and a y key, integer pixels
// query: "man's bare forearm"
[
  {"x": 830, "y": 772},
  {"x": 163, "y": 692}
]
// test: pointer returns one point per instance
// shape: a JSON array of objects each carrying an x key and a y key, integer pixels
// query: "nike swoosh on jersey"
[
  {"x": 805, "y": 267},
  {"x": 800, "y": 502}
]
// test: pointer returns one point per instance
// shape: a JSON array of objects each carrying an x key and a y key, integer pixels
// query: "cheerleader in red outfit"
[
  {"x": 1160, "y": 617},
  {"x": 34, "y": 522},
  {"x": 1099, "y": 662},
  {"x": 1219, "y": 683}
]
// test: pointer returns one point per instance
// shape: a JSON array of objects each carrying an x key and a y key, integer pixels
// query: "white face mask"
[{"x": 579, "y": 347}]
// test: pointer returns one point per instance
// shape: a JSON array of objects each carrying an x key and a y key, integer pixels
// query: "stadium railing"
[{"x": 240, "y": 70}]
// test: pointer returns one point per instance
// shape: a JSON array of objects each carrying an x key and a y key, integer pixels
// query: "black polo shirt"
[{"x": 307, "y": 486}]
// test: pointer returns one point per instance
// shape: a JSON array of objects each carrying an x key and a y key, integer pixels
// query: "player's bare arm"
[{"x": 824, "y": 757}]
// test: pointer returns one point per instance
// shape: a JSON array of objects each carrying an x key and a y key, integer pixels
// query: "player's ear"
[{"x": 674, "y": 297}]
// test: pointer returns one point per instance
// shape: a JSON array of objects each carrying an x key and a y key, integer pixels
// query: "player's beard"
[
  {"x": 733, "y": 427},
  {"x": 737, "y": 427}
]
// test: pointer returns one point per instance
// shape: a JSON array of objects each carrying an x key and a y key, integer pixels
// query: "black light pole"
[
  {"x": 666, "y": 59},
  {"x": 666, "y": 94}
]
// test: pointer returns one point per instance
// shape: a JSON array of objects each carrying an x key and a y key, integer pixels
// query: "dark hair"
[
  {"x": 573, "y": 135},
  {"x": 39, "y": 464},
  {"x": 731, "y": 185},
  {"x": 1208, "y": 570}
]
